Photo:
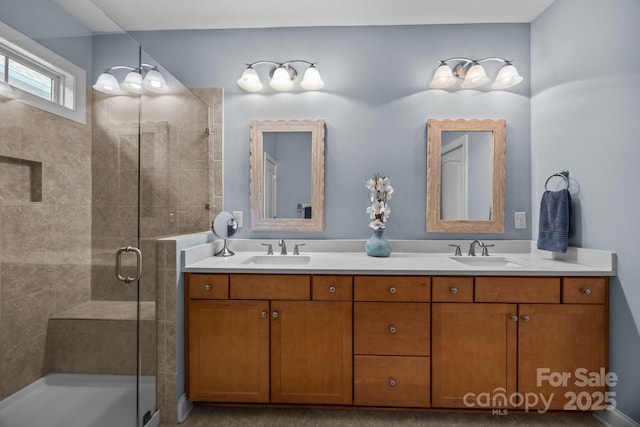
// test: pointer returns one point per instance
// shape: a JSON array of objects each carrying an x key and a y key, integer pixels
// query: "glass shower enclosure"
[{"x": 81, "y": 208}]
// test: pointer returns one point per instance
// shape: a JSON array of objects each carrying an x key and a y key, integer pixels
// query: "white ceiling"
[{"x": 141, "y": 15}]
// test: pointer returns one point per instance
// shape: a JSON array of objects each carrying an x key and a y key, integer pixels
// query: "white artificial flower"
[
  {"x": 376, "y": 224},
  {"x": 371, "y": 184},
  {"x": 380, "y": 190},
  {"x": 385, "y": 211}
]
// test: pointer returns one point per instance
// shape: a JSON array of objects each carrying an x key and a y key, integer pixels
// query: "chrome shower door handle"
[{"x": 128, "y": 279}]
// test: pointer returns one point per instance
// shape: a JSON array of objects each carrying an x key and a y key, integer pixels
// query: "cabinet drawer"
[
  {"x": 392, "y": 288},
  {"x": 517, "y": 289},
  {"x": 392, "y": 381},
  {"x": 584, "y": 290},
  {"x": 452, "y": 289},
  {"x": 270, "y": 286},
  {"x": 392, "y": 329},
  {"x": 332, "y": 288},
  {"x": 208, "y": 286}
]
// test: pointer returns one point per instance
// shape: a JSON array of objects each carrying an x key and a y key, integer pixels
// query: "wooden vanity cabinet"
[
  {"x": 392, "y": 341},
  {"x": 514, "y": 327},
  {"x": 397, "y": 341},
  {"x": 271, "y": 342}
]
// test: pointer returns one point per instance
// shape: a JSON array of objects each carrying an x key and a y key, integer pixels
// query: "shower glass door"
[
  {"x": 157, "y": 186},
  {"x": 123, "y": 271}
]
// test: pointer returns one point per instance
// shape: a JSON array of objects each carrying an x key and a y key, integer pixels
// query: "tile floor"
[{"x": 258, "y": 417}]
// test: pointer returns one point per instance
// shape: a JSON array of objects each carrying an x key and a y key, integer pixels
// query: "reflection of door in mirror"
[
  {"x": 290, "y": 153},
  {"x": 453, "y": 204},
  {"x": 270, "y": 183},
  {"x": 467, "y": 167}
]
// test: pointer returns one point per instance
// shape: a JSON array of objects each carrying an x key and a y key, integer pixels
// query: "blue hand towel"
[{"x": 555, "y": 221}]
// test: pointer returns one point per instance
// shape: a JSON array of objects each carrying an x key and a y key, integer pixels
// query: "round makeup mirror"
[{"x": 224, "y": 225}]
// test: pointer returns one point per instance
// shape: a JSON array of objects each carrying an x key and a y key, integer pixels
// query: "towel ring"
[{"x": 564, "y": 175}]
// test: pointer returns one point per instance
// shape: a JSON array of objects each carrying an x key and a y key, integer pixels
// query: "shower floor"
[{"x": 76, "y": 400}]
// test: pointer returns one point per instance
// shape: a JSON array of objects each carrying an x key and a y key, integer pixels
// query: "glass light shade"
[
  {"x": 250, "y": 81},
  {"x": 6, "y": 90},
  {"x": 132, "y": 82},
  {"x": 107, "y": 83},
  {"x": 442, "y": 78},
  {"x": 507, "y": 77},
  {"x": 281, "y": 79},
  {"x": 311, "y": 79},
  {"x": 154, "y": 82},
  {"x": 476, "y": 76}
]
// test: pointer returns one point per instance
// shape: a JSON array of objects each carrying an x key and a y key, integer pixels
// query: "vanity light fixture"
[
  {"x": 134, "y": 82},
  {"x": 473, "y": 74},
  {"x": 282, "y": 76}
]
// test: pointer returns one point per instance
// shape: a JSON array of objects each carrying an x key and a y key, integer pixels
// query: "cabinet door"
[
  {"x": 228, "y": 344},
  {"x": 311, "y": 352},
  {"x": 473, "y": 351},
  {"x": 561, "y": 345}
]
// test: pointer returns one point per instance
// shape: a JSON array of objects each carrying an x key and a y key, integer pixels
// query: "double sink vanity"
[
  {"x": 423, "y": 328},
  {"x": 509, "y": 328}
]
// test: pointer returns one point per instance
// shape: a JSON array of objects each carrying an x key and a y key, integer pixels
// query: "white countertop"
[{"x": 407, "y": 258}]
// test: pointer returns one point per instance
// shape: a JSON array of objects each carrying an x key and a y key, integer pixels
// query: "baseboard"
[
  {"x": 615, "y": 418},
  {"x": 184, "y": 407}
]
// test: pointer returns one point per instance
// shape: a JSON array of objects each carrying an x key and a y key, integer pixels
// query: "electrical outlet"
[
  {"x": 520, "y": 219},
  {"x": 239, "y": 218}
]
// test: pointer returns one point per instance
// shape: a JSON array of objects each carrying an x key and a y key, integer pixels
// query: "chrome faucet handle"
[
  {"x": 296, "y": 251},
  {"x": 269, "y": 248},
  {"x": 458, "y": 251},
  {"x": 283, "y": 245},
  {"x": 485, "y": 249}
]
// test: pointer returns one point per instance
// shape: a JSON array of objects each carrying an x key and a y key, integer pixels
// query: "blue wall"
[
  {"x": 584, "y": 117},
  {"x": 376, "y": 103},
  {"x": 51, "y": 26}
]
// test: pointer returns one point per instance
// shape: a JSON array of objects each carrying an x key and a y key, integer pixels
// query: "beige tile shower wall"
[
  {"x": 166, "y": 266},
  {"x": 114, "y": 202},
  {"x": 166, "y": 350},
  {"x": 176, "y": 157},
  {"x": 45, "y": 246}
]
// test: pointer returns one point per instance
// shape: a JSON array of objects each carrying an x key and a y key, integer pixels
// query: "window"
[{"x": 40, "y": 77}]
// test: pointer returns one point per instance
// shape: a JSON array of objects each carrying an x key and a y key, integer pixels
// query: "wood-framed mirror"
[
  {"x": 466, "y": 175},
  {"x": 287, "y": 175}
]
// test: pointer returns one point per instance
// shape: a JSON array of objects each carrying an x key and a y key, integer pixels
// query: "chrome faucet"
[
  {"x": 472, "y": 247},
  {"x": 283, "y": 245}
]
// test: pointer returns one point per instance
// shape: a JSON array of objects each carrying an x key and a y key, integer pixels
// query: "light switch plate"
[
  {"x": 520, "y": 219},
  {"x": 239, "y": 218}
]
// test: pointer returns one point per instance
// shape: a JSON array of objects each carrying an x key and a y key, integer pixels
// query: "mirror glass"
[
  {"x": 287, "y": 175},
  {"x": 224, "y": 225},
  {"x": 466, "y": 162},
  {"x": 466, "y": 175}
]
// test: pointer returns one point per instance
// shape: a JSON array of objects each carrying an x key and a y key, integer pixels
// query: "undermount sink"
[
  {"x": 278, "y": 260},
  {"x": 488, "y": 261}
]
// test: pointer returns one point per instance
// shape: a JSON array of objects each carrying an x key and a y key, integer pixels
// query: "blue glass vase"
[{"x": 377, "y": 245}]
